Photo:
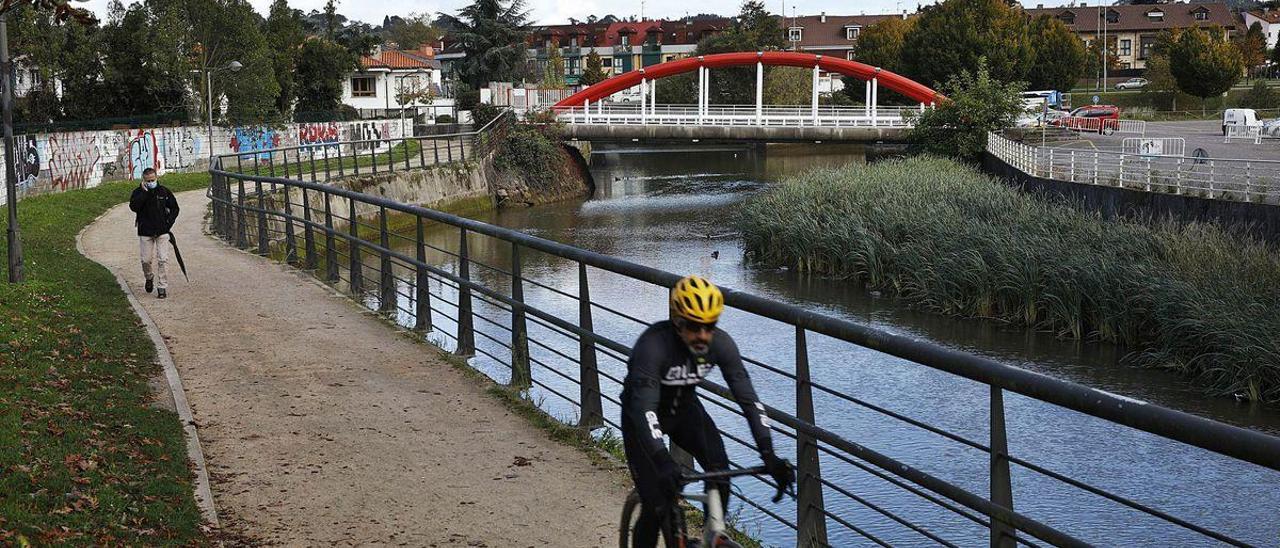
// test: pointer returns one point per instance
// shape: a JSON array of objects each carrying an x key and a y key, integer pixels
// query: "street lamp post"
[
  {"x": 16, "y": 274},
  {"x": 233, "y": 66}
]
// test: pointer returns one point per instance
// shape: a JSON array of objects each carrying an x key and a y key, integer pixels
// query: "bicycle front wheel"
[{"x": 631, "y": 514}]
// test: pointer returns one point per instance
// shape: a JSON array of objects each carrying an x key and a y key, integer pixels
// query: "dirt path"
[{"x": 323, "y": 426}]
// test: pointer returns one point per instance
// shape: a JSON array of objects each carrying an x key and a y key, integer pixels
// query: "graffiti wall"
[{"x": 58, "y": 162}]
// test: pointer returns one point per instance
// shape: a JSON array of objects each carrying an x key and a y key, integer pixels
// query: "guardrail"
[
  {"x": 1215, "y": 178},
  {"x": 737, "y": 115},
  {"x": 478, "y": 309}
]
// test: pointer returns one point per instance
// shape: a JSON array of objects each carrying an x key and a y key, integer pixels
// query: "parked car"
[
  {"x": 1246, "y": 117},
  {"x": 1133, "y": 83},
  {"x": 1100, "y": 118},
  {"x": 1041, "y": 119}
]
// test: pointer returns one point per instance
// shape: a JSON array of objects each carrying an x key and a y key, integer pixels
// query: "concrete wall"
[
  {"x": 58, "y": 162},
  {"x": 1260, "y": 220}
]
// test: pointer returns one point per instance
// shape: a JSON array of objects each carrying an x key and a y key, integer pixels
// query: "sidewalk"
[{"x": 321, "y": 425}]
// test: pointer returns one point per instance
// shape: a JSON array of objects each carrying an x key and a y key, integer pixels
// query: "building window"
[
  {"x": 851, "y": 33},
  {"x": 1126, "y": 66},
  {"x": 606, "y": 62},
  {"x": 573, "y": 42},
  {"x": 1202, "y": 15},
  {"x": 1155, "y": 15},
  {"x": 626, "y": 40},
  {"x": 1144, "y": 49},
  {"x": 794, "y": 34},
  {"x": 1113, "y": 17},
  {"x": 850, "y": 55},
  {"x": 363, "y": 86},
  {"x": 1126, "y": 47},
  {"x": 1068, "y": 18}
]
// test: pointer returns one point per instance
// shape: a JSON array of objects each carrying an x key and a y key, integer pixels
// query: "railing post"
[
  {"x": 435, "y": 148},
  {"x": 466, "y": 326},
  {"x": 1211, "y": 178},
  {"x": 356, "y": 265},
  {"x": 387, "y": 282},
  {"x": 308, "y": 235},
  {"x": 1001, "y": 483},
  {"x": 448, "y": 149},
  {"x": 422, "y": 154},
  {"x": 373, "y": 155},
  {"x": 242, "y": 233},
  {"x": 330, "y": 240},
  {"x": 290, "y": 240},
  {"x": 588, "y": 375},
  {"x": 262, "y": 221},
  {"x": 521, "y": 373},
  {"x": 811, "y": 521},
  {"x": 355, "y": 158},
  {"x": 462, "y": 149},
  {"x": 406, "y": 142},
  {"x": 422, "y": 289},
  {"x": 311, "y": 156}
]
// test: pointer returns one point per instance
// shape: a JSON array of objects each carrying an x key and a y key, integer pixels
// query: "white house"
[
  {"x": 387, "y": 76},
  {"x": 1269, "y": 18}
]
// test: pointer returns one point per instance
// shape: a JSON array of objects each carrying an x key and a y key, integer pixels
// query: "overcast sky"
[{"x": 559, "y": 11}]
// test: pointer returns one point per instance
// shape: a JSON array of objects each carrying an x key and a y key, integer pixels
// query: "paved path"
[{"x": 322, "y": 426}]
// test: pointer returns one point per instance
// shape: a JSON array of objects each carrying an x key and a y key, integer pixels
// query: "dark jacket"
[{"x": 157, "y": 210}]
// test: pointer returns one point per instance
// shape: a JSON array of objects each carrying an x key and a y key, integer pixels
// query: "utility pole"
[{"x": 16, "y": 274}]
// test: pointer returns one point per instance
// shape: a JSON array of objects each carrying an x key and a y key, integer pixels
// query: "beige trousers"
[{"x": 155, "y": 249}]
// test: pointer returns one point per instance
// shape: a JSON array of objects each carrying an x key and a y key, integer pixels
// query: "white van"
[{"x": 1239, "y": 117}]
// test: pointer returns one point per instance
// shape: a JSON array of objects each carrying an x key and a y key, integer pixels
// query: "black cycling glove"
[
  {"x": 781, "y": 471},
  {"x": 668, "y": 476}
]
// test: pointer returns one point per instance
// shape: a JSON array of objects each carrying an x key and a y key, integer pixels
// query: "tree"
[
  {"x": 83, "y": 94},
  {"x": 1059, "y": 55},
  {"x": 222, "y": 31},
  {"x": 1093, "y": 58},
  {"x": 976, "y": 103},
  {"x": 1162, "y": 87},
  {"x": 413, "y": 32},
  {"x": 1253, "y": 47},
  {"x": 284, "y": 36},
  {"x": 1260, "y": 97},
  {"x": 788, "y": 86},
  {"x": 553, "y": 72},
  {"x": 880, "y": 45},
  {"x": 144, "y": 70},
  {"x": 954, "y": 35},
  {"x": 755, "y": 29},
  {"x": 593, "y": 72},
  {"x": 1204, "y": 64},
  {"x": 1275, "y": 55},
  {"x": 322, "y": 64},
  {"x": 492, "y": 34}
]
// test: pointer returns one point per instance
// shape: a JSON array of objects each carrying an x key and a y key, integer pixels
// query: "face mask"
[{"x": 151, "y": 185}]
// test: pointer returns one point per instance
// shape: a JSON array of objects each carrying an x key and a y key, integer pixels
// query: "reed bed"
[{"x": 1196, "y": 298}]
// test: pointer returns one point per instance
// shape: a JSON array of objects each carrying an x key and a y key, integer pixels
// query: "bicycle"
[{"x": 713, "y": 531}]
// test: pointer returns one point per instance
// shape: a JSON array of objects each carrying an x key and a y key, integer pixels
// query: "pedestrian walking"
[{"x": 157, "y": 210}]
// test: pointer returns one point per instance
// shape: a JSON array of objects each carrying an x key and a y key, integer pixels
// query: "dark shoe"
[
  {"x": 161, "y": 294},
  {"x": 150, "y": 285}
]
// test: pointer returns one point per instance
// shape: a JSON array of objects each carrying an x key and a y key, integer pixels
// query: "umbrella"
[{"x": 177, "y": 254}]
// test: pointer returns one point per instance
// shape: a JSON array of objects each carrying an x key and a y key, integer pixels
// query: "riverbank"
[
  {"x": 90, "y": 457},
  {"x": 948, "y": 239}
]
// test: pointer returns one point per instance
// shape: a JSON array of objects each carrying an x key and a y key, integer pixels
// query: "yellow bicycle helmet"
[{"x": 695, "y": 299}]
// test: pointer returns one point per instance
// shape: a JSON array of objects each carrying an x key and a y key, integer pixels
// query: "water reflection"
[{"x": 672, "y": 209}]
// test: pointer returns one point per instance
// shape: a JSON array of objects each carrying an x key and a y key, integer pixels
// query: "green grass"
[
  {"x": 87, "y": 458},
  {"x": 1195, "y": 298}
]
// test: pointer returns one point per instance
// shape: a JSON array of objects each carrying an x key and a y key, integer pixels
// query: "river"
[{"x": 672, "y": 208}]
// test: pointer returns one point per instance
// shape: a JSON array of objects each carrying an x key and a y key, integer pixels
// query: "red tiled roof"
[
  {"x": 396, "y": 59},
  {"x": 1270, "y": 15},
  {"x": 1134, "y": 17},
  {"x": 830, "y": 32}
]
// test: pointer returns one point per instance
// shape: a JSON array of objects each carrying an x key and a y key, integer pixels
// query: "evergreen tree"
[
  {"x": 492, "y": 34},
  {"x": 1059, "y": 55},
  {"x": 593, "y": 72},
  {"x": 284, "y": 36},
  {"x": 955, "y": 34},
  {"x": 1204, "y": 64}
]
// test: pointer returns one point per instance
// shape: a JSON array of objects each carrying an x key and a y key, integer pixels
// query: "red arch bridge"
[{"x": 589, "y": 114}]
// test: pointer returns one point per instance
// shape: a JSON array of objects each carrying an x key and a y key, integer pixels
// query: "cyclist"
[{"x": 659, "y": 396}]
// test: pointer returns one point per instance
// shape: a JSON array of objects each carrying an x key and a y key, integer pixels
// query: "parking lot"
[{"x": 1204, "y": 134}]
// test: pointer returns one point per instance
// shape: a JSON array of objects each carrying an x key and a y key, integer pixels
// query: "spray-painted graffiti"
[
  {"x": 144, "y": 153},
  {"x": 57, "y": 162},
  {"x": 74, "y": 160},
  {"x": 182, "y": 147},
  {"x": 252, "y": 139},
  {"x": 27, "y": 165},
  {"x": 320, "y": 135},
  {"x": 373, "y": 132}
]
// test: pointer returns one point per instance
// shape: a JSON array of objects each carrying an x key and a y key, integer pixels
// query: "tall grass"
[{"x": 1195, "y": 298}]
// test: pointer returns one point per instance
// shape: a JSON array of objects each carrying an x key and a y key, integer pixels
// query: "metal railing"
[
  {"x": 322, "y": 161},
  {"x": 1215, "y": 178},
  {"x": 1104, "y": 126},
  {"x": 426, "y": 278},
  {"x": 737, "y": 115}
]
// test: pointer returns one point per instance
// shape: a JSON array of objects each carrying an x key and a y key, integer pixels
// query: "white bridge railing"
[
  {"x": 1216, "y": 178},
  {"x": 738, "y": 115}
]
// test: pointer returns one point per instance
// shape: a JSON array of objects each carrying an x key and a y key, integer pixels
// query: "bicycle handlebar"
[{"x": 726, "y": 474}]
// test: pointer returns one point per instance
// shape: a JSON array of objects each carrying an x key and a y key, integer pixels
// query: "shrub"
[
  {"x": 1195, "y": 298},
  {"x": 484, "y": 113},
  {"x": 1260, "y": 96},
  {"x": 444, "y": 119},
  {"x": 976, "y": 104}
]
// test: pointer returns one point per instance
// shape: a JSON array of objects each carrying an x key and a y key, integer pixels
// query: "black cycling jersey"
[{"x": 662, "y": 376}]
